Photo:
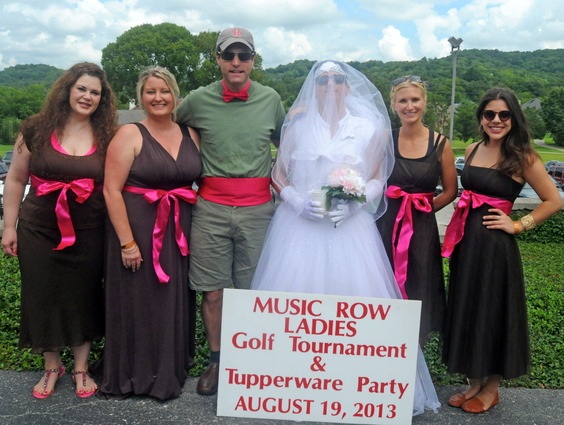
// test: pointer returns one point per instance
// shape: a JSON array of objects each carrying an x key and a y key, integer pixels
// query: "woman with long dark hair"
[
  {"x": 486, "y": 336},
  {"x": 59, "y": 236}
]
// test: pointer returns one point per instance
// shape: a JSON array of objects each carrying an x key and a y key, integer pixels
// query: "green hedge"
[
  {"x": 542, "y": 252},
  {"x": 551, "y": 231}
]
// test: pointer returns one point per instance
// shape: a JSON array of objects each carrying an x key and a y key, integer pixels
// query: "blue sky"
[{"x": 63, "y": 32}]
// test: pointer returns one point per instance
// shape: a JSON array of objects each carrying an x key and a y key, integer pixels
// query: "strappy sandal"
[
  {"x": 60, "y": 371},
  {"x": 82, "y": 393}
]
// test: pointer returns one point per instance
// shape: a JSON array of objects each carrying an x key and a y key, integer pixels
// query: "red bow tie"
[{"x": 229, "y": 95}]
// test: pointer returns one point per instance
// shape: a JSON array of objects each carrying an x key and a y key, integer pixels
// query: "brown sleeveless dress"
[
  {"x": 151, "y": 325},
  {"x": 62, "y": 295}
]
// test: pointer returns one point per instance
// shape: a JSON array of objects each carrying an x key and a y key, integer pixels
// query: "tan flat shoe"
[{"x": 476, "y": 405}]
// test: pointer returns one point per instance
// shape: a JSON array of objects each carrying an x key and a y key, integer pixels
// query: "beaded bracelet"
[{"x": 528, "y": 222}]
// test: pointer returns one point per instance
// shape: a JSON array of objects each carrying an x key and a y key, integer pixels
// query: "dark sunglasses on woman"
[
  {"x": 323, "y": 80},
  {"x": 490, "y": 115}
]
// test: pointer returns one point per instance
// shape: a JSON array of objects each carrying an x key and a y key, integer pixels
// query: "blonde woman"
[
  {"x": 409, "y": 227},
  {"x": 150, "y": 311}
]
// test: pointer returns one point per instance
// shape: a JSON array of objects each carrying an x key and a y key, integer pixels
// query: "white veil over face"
[{"x": 339, "y": 120}]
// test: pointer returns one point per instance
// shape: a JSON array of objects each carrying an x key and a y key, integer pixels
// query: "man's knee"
[{"x": 213, "y": 298}]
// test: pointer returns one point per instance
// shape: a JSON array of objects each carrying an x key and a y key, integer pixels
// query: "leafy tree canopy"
[
  {"x": 167, "y": 45},
  {"x": 553, "y": 114},
  {"x": 538, "y": 74},
  {"x": 25, "y": 75}
]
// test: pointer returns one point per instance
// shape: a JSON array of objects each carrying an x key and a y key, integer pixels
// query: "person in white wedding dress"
[{"x": 338, "y": 126}]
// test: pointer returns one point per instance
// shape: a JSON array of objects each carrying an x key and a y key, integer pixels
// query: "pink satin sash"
[
  {"x": 239, "y": 191},
  {"x": 82, "y": 188},
  {"x": 468, "y": 199},
  {"x": 165, "y": 198},
  {"x": 404, "y": 223}
]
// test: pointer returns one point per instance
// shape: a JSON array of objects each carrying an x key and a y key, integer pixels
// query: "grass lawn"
[{"x": 4, "y": 149}]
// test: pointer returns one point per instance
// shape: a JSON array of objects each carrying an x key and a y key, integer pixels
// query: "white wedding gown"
[{"x": 307, "y": 256}]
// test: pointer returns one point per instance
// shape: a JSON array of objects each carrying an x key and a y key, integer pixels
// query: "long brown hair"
[
  {"x": 36, "y": 130},
  {"x": 517, "y": 151}
]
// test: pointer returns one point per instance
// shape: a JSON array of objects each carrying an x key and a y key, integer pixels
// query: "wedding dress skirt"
[{"x": 302, "y": 255}]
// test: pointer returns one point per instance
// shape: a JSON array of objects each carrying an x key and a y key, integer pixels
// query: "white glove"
[
  {"x": 307, "y": 208},
  {"x": 342, "y": 211}
]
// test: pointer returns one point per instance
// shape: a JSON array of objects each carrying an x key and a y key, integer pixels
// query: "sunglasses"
[
  {"x": 243, "y": 57},
  {"x": 323, "y": 80},
  {"x": 490, "y": 115},
  {"x": 407, "y": 78}
]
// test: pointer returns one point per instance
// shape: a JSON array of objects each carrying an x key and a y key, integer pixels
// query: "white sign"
[{"x": 310, "y": 357}]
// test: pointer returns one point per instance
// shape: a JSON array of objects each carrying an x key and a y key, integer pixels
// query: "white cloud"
[
  {"x": 284, "y": 46},
  {"x": 393, "y": 46},
  {"x": 62, "y": 32}
]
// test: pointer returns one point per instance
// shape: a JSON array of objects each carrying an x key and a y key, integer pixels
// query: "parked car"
[
  {"x": 7, "y": 158},
  {"x": 459, "y": 164},
  {"x": 3, "y": 170},
  {"x": 529, "y": 192},
  {"x": 27, "y": 186},
  {"x": 556, "y": 171},
  {"x": 439, "y": 188},
  {"x": 550, "y": 164}
]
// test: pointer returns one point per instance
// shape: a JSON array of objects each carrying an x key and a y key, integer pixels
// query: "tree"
[
  {"x": 207, "y": 70},
  {"x": 167, "y": 45},
  {"x": 21, "y": 102},
  {"x": 553, "y": 114},
  {"x": 25, "y": 75},
  {"x": 9, "y": 128},
  {"x": 536, "y": 123},
  {"x": 465, "y": 124}
]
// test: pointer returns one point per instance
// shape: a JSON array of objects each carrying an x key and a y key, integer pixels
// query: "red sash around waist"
[
  {"x": 404, "y": 223},
  {"x": 164, "y": 199},
  {"x": 83, "y": 188},
  {"x": 237, "y": 192},
  {"x": 468, "y": 199}
]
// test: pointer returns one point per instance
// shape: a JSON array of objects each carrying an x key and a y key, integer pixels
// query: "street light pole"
[{"x": 454, "y": 48}]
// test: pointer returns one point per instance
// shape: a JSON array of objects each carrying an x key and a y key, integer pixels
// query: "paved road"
[
  {"x": 18, "y": 407},
  {"x": 541, "y": 142}
]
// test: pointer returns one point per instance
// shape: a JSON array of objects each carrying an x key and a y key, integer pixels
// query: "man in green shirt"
[{"x": 237, "y": 119}]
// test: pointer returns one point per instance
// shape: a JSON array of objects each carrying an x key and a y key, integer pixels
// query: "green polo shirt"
[{"x": 235, "y": 137}]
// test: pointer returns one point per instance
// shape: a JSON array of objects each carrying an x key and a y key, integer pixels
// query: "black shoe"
[{"x": 207, "y": 385}]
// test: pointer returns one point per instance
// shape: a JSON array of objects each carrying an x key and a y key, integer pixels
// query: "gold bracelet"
[
  {"x": 131, "y": 250},
  {"x": 128, "y": 245},
  {"x": 516, "y": 228},
  {"x": 528, "y": 222}
]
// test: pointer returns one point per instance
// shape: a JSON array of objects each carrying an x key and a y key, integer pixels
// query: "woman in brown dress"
[
  {"x": 150, "y": 310},
  {"x": 59, "y": 237}
]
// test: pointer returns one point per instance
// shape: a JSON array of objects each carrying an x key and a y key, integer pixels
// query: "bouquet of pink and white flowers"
[{"x": 345, "y": 183}]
